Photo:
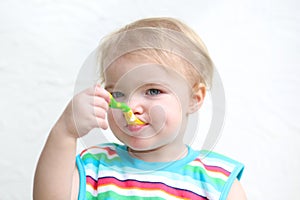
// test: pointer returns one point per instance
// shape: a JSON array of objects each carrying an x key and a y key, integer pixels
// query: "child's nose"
[{"x": 136, "y": 105}]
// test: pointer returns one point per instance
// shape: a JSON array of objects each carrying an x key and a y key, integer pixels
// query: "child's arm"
[
  {"x": 56, "y": 176},
  {"x": 236, "y": 192}
]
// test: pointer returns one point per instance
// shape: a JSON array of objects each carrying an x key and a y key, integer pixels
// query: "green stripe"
[
  {"x": 100, "y": 156},
  {"x": 110, "y": 195}
]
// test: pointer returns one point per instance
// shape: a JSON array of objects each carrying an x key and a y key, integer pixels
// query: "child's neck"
[{"x": 167, "y": 153}]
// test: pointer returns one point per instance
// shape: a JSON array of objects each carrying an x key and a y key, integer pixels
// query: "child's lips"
[{"x": 135, "y": 128}]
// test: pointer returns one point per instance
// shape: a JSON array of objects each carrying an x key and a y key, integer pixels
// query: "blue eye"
[
  {"x": 117, "y": 94},
  {"x": 153, "y": 92}
]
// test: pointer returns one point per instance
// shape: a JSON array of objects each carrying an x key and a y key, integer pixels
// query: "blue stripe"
[{"x": 82, "y": 178}]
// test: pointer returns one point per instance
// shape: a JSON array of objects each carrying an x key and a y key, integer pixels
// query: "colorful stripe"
[
  {"x": 194, "y": 177},
  {"x": 130, "y": 184}
]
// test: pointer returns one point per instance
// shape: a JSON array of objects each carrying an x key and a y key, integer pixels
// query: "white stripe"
[
  {"x": 184, "y": 182},
  {"x": 90, "y": 172},
  {"x": 218, "y": 162}
]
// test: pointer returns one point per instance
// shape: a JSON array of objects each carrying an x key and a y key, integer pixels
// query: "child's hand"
[{"x": 86, "y": 111}]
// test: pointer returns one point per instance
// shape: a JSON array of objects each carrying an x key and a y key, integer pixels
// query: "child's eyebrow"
[{"x": 108, "y": 87}]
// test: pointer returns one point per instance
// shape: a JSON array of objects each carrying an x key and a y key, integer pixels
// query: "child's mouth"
[
  {"x": 140, "y": 131},
  {"x": 135, "y": 128}
]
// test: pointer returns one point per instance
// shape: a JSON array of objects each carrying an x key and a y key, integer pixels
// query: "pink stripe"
[
  {"x": 110, "y": 151},
  {"x": 107, "y": 149},
  {"x": 214, "y": 168},
  {"x": 133, "y": 184},
  {"x": 90, "y": 181}
]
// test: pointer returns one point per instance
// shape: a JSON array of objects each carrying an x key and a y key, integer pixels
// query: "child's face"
[{"x": 157, "y": 95}]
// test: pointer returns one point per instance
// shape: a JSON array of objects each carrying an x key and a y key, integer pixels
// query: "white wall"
[{"x": 254, "y": 44}]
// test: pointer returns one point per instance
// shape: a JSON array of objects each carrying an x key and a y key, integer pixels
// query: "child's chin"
[{"x": 142, "y": 146}]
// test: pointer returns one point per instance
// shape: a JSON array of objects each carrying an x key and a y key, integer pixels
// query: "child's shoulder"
[
  {"x": 211, "y": 157},
  {"x": 216, "y": 163},
  {"x": 216, "y": 171}
]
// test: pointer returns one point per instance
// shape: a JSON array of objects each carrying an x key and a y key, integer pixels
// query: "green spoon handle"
[{"x": 118, "y": 105}]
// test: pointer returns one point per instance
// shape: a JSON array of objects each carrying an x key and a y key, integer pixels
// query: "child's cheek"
[
  {"x": 165, "y": 117},
  {"x": 158, "y": 117},
  {"x": 116, "y": 118}
]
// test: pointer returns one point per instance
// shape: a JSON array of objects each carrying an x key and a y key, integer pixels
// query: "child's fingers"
[
  {"x": 101, "y": 92},
  {"x": 99, "y": 112},
  {"x": 100, "y": 102},
  {"x": 102, "y": 123}
]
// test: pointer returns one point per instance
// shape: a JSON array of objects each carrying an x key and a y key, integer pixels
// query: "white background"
[{"x": 254, "y": 44}]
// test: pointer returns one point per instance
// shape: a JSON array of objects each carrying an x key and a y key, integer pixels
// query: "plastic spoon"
[{"x": 129, "y": 116}]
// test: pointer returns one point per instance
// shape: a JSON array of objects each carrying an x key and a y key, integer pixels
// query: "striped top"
[{"x": 108, "y": 172}]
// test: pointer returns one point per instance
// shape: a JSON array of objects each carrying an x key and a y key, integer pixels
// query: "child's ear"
[{"x": 197, "y": 98}]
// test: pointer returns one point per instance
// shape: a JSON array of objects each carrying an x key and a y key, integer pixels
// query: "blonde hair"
[{"x": 167, "y": 41}]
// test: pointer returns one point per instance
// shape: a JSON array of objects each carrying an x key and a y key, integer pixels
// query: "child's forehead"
[
  {"x": 167, "y": 65},
  {"x": 137, "y": 69},
  {"x": 165, "y": 60},
  {"x": 132, "y": 60},
  {"x": 141, "y": 57},
  {"x": 136, "y": 73}
]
